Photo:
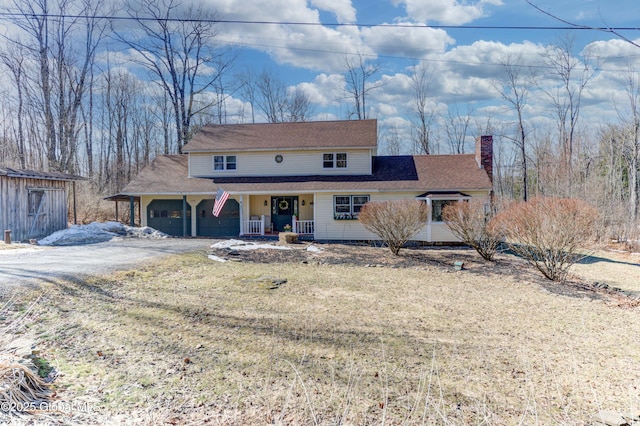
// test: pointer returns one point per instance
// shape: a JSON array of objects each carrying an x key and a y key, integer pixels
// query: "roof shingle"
[
  {"x": 168, "y": 174},
  {"x": 32, "y": 174},
  {"x": 300, "y": 135}
]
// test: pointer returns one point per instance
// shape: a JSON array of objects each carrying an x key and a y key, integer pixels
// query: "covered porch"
[{"x": 269, "y": 214}]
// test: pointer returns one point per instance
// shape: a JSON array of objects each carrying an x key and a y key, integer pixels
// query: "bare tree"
[
  {"x": 298, "y": 105},
  {"x": 456, "y": 125},
  {"x": 64, "y": 50},
  {"x": 422, "y": 125},
  {"x": 248, "y": 90},
  {"x": 270, "y": 95},
  {"x": 14, "y": 60},
  {"x": 572, "y": 76},
  {"x": 514, "y": 88},
  {"x": 391, "y": 140},
  {"x": 180, "y": 53},
  {"x": 631, "y": 147},
  {"x": 357, "y": 75}
]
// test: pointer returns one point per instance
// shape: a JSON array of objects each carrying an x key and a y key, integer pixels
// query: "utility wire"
[{"x": 15, "y": 15}]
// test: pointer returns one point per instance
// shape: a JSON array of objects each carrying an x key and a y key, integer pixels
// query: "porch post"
[
  {"x": 429, "y": 219},
  {"x": 241, "y": 214},
  {"x": 184, "y": 215},
  {"x": 132, "y": 211},
  {"x": 262, "y": 225}
]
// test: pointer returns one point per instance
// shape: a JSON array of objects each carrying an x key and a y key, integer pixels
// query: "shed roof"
[
  {"x": 285, "y": 136},
  {"x": 32, "y": 174},
  {"x": 168, "y": 174}
]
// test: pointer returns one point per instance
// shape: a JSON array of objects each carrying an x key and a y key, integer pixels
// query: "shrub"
[
  {"x": 469, "y": 221},
  {"x": 548, "y": 232},
  {"x": 395, "y": 222}
]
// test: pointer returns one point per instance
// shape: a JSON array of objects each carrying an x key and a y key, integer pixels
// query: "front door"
[{"x": 282, "y": 211}]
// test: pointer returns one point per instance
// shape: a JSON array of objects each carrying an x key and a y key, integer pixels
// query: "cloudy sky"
[
  {"x": 462, "y": 44},
  {"x": 464, "y": 50}
]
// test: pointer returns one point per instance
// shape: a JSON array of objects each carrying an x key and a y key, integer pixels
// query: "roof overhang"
[
  {"x": 32, "y": 174},
  {"x": 444, "y": 195},
  {"x": 123, "y": 197}
]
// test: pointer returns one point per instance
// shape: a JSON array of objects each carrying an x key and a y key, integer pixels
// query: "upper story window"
[
  {"x": 334, "y": 160},
  {"x": 224, "y": 162}
]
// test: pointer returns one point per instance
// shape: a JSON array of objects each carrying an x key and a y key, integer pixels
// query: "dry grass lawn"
[{"x": 191, "y": 341}]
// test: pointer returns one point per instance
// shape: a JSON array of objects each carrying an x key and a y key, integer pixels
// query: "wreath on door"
[{"x": 283, "y": 204}]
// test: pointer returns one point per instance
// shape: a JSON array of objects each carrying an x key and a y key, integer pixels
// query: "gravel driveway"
[{"x": 32, "y": 265}]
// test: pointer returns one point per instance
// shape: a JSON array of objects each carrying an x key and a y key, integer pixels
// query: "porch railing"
[
  {"x": 303, "y": 226},
  {"x": 255, "y": 227}
]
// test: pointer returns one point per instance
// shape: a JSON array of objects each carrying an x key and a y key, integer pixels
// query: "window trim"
[
  {"x": 352, "y": 214},
  {"x": 431, "y": 199},
  {"x": 35, "y": 200},
  {"x": 334, "y": 161},
  {"x": 224, "y": 162}
]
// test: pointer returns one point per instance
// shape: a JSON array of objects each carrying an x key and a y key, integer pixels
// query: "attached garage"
[
  {"x": 167, "y": 216},
  {"x": 227, "y": 224}
]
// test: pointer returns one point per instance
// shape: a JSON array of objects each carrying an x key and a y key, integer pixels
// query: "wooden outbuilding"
[{"x": 34, "y": 204}]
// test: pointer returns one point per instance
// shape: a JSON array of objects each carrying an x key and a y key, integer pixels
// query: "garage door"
[
  {"x": 227, "y": 224},
  {"x": 166, "y": 216}
]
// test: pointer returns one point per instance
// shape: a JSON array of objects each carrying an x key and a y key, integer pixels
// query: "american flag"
[{"x": 221, "y": 198}]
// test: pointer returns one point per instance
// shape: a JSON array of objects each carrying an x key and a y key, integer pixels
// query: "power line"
[{"x": 16, "y": 15}]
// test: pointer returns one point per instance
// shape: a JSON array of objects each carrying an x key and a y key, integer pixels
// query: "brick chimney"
[{"x": 484, "y": 154}]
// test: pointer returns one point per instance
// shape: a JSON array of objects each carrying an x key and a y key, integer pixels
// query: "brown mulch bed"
[{"x": 442, "y": 257}]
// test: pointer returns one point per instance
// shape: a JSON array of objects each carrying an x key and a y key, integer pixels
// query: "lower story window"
[
  {"x": 347, "y": 207},
  {"x": 437, "y": 206},
  {"x": 35, "y": 200}
]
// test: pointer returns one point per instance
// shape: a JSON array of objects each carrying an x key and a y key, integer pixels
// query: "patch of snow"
[
  {"x": 98, "y": 232},
  {"x": 261, "y": 246},
  {"x": 315, "y": 249},
  {"x": 229, "y": 244},
  {"x": 246, "y": 245},
  {"x": 216, "y": 258}
]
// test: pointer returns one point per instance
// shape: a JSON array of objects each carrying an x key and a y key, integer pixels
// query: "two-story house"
[{"x": 311, "y": 176}]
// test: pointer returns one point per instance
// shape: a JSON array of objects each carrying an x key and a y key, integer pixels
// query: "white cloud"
[
  {"x": 325, "y": 90},
  {"x": 406, "y": 41},
  {"x": 344, "y": 11},
  {"x": 307, "y": 46},
  {"x": 448, "y": 12}
]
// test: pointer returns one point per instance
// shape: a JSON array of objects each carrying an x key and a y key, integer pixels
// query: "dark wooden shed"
[{"x": 33, "y": 204}]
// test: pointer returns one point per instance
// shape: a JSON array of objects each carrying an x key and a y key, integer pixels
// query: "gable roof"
[
  {"x": 31, "y": 174},
  {"x": 285, "y": 136},
  {"x": 168, "y": 174}
]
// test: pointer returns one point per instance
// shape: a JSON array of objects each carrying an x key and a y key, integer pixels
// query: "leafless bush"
[
  {"x": 91, "y": 206},
  {"x": 469, "y": 221},
  {"x": 548, "y": 232},
  {"x": 395, "y": 222}
]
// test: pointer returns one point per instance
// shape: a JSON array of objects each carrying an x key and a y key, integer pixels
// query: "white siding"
[
  {"x": 295, "y": 163},
  {"x": 327, "y": 228},
  {"x": 351, "y": 230}
]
